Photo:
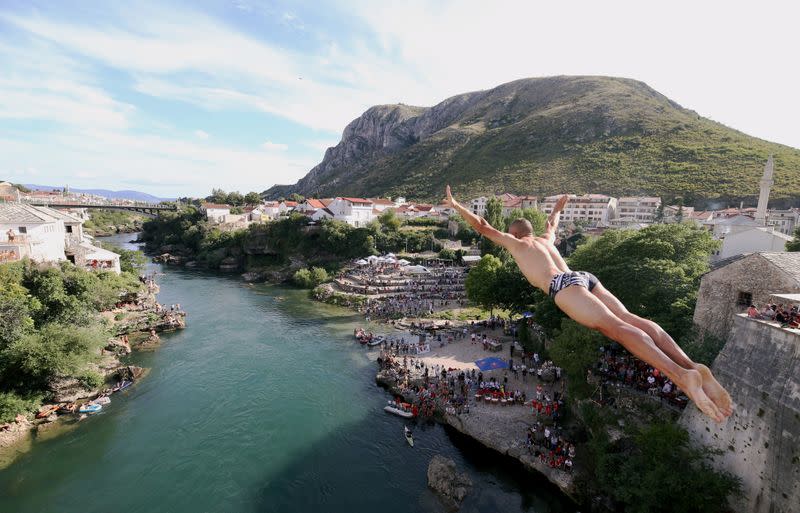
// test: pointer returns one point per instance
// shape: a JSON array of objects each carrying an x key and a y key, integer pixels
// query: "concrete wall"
[
  {"x": 760, "y": 442},
  {"x": 719, "y": 291}
]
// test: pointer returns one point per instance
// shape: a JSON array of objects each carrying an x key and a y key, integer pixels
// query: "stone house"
[{"x": 734, "y": 283}]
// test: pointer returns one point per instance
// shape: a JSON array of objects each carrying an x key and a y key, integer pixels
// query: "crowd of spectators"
[
  {"x": 787, "y": 316},
  {"x": 616, "y": 365}
]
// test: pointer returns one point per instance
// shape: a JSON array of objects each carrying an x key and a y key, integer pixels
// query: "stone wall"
[
  {"x": 760, "y": 442},
  {"x": 720, "y": 288}
]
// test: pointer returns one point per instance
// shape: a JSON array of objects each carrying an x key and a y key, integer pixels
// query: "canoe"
[
  {"x": 102, "y": 400},
  {"x": 46, "y": 411},
  {"x": 90, "y": 408},
  {"x": 409, "y": 436},
  {"x": 376, "y": 341},
  {"x": 122, "y": 385}
]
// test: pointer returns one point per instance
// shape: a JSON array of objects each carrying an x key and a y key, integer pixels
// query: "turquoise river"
[{"x": 264, "y": 403}]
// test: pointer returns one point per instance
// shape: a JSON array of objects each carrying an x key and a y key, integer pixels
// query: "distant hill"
[
  {"x": 128, "y": 195},
  {"x": 549, "y": 135}
]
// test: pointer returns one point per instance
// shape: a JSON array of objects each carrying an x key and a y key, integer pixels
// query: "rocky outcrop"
[
  {"x": 450, "y": 485},
  {"x": 760, "y": 442}
]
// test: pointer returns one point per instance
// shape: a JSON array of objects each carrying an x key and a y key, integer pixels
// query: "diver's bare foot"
[
  {"x": 714, "y": 391},
  {"x": 692, "y": 385}
]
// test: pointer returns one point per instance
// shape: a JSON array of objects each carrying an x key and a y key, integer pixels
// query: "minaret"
[{"x": 763, "y": 197}]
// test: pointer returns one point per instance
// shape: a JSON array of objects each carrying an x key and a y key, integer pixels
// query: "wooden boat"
[
  {"x": 409, "y": 436},
  {"x": 400, "y": 410},
  {"x": 46, "y": 411},
  {"x": 90, "y": 408}
]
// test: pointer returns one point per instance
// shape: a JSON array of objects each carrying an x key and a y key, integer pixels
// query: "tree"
[
  {"x": 389, "y": 220},
  {"x": 252, "y": 198},
  {"x": 576, "y": 349},
  {"x": 654, "y": 271},
  {"x": 296, "y": 197},
  {"x": 650, "y": 476},
  {"x": 447, "y": 254},
  {"x": 481, "y": 282},
  {"x": 537, "y": 218},
  {"x": 494, "y": 216},
  {"x": 235, "y": 198},
  {"x": 794, "y": 244}
]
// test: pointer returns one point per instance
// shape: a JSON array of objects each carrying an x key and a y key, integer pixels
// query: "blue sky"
[{"x": 174, "y": 98}]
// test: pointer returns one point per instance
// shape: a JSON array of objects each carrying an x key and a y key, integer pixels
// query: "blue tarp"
[
  {"x": 491, "y": 363},
  {"x": 527, "y": 315}
]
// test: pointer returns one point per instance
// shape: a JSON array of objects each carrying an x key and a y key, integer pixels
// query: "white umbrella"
[
  {"x": 403, "y": 261},
  {"x": 361, "y": 262},
  {"x": 390, "y": 255},
  {"x": 372, "y": 258}
]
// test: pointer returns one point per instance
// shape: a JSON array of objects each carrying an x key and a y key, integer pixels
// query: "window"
[
  {"x": 22, "y": 229},
  {"x": 69, "y": 229},
  {"x": 744, "y": 299}
]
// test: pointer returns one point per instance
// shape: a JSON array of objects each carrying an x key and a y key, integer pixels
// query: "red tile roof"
[
  {"x": 290, "y": 203},
  {"x": 315, "y": 203},
  {"x": 361, "y": 201}
]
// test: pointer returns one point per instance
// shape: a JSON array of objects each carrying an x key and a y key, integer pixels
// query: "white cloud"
[
  {"x": 271, "y": 146},
  {"x": 200, "y": 134}
]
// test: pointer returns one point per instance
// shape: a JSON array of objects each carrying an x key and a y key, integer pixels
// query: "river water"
[{"x": 264, "y": 403}]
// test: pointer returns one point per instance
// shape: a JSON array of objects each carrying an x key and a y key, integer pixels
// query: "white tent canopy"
[
  {"x": 417, "y": 269},
  {"x": 361, "y": 262}
]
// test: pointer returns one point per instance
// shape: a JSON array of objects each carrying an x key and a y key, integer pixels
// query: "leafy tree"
[
  {"x": 218, "y": 196},
  {"x": 302, "y": 278},
  {"x": 389, "y": 220},
  {"x": 447, "y": 254},
  {"x": 655, "y": 271},
  {"x": 319, "y": 275},
  {"x": 252, "y": 198},
  {"x": 659, "y": 215},
  {"x": 794, "y": 244},
  {"x": 576, "y": 349},
  {"x": 12, "y": 404},
  {"x": 653, "y": 475},
  {"x": 481, "y": 282},
  {"x": 537, "y": 218},
  {"x": 296, "y": 197},
  {"x": 494, "y": 216},
  {"x": 236, "y": 199}
]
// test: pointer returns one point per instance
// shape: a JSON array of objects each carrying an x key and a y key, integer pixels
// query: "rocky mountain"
[{"x": 549, "y": 135}]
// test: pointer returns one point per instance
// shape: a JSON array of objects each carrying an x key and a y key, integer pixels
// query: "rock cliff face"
[
  {"x": 544, "y": 136},
  {"x": 760, "y": 443}
]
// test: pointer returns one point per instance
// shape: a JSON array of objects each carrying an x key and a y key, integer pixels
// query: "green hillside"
[{"x": 550, "y": 135}]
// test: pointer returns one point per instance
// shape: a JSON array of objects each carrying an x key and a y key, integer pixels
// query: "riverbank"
[
  {"x": 501, "y": 428},
  {"x": 135, "y": 325}
]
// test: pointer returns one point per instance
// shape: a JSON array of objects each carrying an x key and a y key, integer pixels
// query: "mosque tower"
[{"x": 763, "y": 197}]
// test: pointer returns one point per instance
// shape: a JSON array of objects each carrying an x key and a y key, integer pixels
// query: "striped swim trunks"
[{"x": 570, "y": 278}]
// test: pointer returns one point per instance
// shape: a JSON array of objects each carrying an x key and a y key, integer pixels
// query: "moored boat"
[
  {"x": 90, "y": 408},
  {"x": 46, "y": 411},
  {"x": 122, "y": 385},
  {"x": 376, "y": 341},
  {"x": 399, "y": 409}
]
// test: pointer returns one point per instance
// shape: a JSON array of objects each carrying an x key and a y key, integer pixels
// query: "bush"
[
  {"x": 12, "y": 405},
  {"x": 310, "y": 278},
  {"x": 91, "y": 380}
]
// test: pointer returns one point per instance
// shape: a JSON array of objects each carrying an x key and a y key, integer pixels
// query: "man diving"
[{"x": 583, "y": 298}]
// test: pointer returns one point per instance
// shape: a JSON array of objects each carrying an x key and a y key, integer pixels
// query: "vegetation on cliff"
[
  {"x": 50, "y": 328},
  {"x": 546, "y": 136},
  {"x": 276, "y": 243},
  {"x": 103, "y": 222}
]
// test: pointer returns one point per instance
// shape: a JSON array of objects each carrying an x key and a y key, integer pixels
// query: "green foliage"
[
  {"x": 91, "y": 380},
  {"x": 537, "y": 218},
  {"x": 657, "y": 472},
  {"x": 576, "y": 349},
  {"x": 447, "y": 254},
  {"x": 50, "y": 327},
  {"x": 310, "y": 278},
  {"x": 108, "y": 221},
  {"x": 481, "y": 282},
  {"x": 655, "y": 271},
  {"x": 130, "y": 260},
  {"x": 389, "y": 220},
  {"x": 12, "y": 404},
  {"x": 424, "y": 221},
  {"x": 494, "y": 216},
  {"x": 252, "y": 198},
  {"x": 794, "y": 244},
  {"x": 703, "y": 348}
]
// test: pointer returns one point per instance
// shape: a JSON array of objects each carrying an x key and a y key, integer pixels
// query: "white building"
[
  {"x": 478, "y": 205},
  {"x": 760, "y": 238},
  {"x": 382, "y": 204},
  {"x": 784, "y": 221},
  {"x": 47, "y": 235},
  {"x": 356, "y": 212},
  {"x": 594, "y": 209},
  {"x": 639, "y": 209},
  {"x": 215, "y": 212}
]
